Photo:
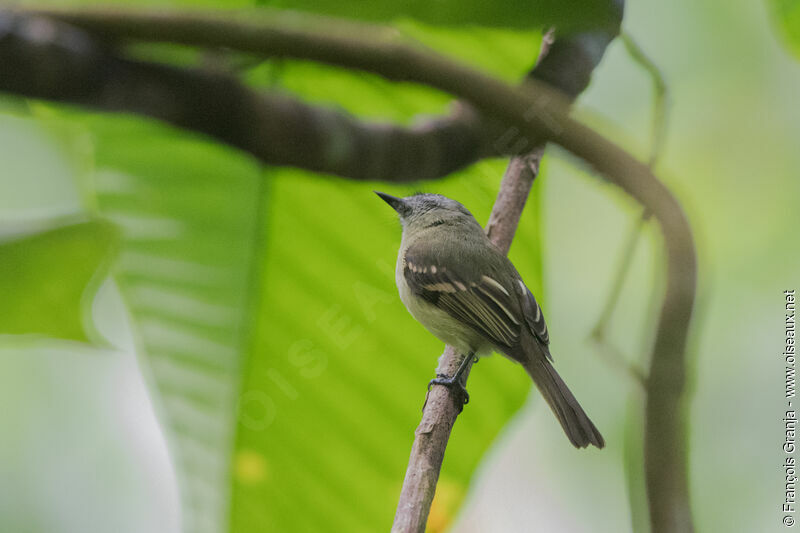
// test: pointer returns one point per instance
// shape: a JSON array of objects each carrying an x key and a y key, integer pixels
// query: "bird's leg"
[{"x": 453, "y": 381}]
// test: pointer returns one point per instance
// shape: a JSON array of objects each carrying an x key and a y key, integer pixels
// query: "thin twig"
[
  {"x": 658, "y": 136},
  {"x": 441, "y": 409},
  {"x": 660, "y": 96},
  {"x": 598, "y": 334}
]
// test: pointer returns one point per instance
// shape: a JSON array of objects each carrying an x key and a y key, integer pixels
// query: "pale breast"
[{"x": 446, "y": 328}]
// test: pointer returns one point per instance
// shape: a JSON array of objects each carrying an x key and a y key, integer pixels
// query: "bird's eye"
[{"x": 437, "y": 223}]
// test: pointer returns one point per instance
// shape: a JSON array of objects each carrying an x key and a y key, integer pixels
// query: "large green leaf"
[
  {"x": 339, "y": 369},
  {"x": 524, "y": 14},
  {"x": 787, "y": 17},
  {"x": 339, "y": 372},
  {"x": 47, "y": 281},
  {"x": 205, "y": 4},
  {"x": 567, "y": 16},
  {"x": 188, "y": 213}
]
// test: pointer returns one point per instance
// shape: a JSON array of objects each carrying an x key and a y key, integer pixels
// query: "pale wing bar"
[{"x": 484, "y": 304}]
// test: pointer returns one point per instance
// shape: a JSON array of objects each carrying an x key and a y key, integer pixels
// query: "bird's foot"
[{"x": 453, "y": 383}]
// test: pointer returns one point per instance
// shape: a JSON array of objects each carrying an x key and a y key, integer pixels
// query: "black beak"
[{"x": 398, "y": 204}]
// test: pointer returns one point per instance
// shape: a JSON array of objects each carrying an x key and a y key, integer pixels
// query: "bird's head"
[{"x": 427, "y": 210}]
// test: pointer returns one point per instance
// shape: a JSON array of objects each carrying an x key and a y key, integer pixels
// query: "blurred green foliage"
[
  {"x": 787, "y": 17},
  {"x": 338, "y": 373},
  {"x": 522, "y": 14},
  {"x": 47, "y": 280},
  {"x": 189, "y": 213},
  {"x": 579, "y": 14},
  {"x": 339, "y": 369}
]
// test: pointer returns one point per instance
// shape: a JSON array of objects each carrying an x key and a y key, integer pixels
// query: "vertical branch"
[
  {"x": 441, "y": 410},
  {"x": 567, "y": 66},
  {"x": 658, "y": 136},
  {"x": 665, "y": 452},
  {"x": 666, "y": 472},
  {"x": 427, "y": 452}
]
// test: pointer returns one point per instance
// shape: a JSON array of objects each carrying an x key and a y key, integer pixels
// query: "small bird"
[{"x": 458, "y": 285}]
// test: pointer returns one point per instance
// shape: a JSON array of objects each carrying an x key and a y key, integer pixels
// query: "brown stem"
[
  {"x": 427, "y": 451},
  {"x": 441, "y": 409},
  {"x": 598, "y": 334}
]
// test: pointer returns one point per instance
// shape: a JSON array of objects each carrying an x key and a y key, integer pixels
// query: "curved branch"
[
  {"x": 543, "y": 108},
  {"x": 72, "y": 67},
  {"x": 441, "y": 409},
  {"x": 538, "y": 114}
]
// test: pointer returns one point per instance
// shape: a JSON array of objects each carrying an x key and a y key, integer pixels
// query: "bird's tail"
[{"x": 579, "y": 429}]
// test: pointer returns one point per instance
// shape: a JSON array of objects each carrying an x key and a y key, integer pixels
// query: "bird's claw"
[{"x": 449, "y": 383}]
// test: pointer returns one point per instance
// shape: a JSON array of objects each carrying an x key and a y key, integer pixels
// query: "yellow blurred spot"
[
  {"x": 250, "y": 467},
  {"x": 445, "y": 505}
]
